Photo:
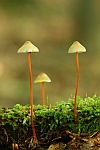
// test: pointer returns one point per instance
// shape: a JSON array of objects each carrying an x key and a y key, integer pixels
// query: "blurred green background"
[{"x": 52, "y": 26}]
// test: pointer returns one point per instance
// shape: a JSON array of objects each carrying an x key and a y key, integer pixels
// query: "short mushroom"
[
  {"x": 42, "y": 77},
  {"x": 76, "y": 47},
  {"x": 28, "y": 47}
]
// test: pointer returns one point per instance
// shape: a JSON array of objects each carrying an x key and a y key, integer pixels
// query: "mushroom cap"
[
  {"x": 28, "y": 47},
  {"x": 42, "y": 77},
  {"x": 76, "y": 47}
]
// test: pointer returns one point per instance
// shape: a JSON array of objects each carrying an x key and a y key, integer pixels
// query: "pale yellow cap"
[
  {"x": 42, "y": 77},
  {"x": 28, "y": 47},
  {"x": 76, "y": 47}
]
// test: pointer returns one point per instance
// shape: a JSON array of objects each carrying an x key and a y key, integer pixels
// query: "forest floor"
[{"x": 67, "y": 141}]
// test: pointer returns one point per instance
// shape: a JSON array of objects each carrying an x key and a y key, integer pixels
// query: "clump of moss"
[{"x": 50, "y": 121}]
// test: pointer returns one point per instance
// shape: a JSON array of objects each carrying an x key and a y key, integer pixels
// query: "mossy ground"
[{"x": 50, "y": 121}]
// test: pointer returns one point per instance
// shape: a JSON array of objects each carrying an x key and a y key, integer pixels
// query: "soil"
[
  {"x": 66, "y": 141},
  {"x": 82, "y": 142}
]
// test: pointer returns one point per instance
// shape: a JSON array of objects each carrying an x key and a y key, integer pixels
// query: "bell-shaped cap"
[
  {"x": 76, "y": 47},
  {"x": 42, "y": 77},
  {"x": 28, "y": 47}
]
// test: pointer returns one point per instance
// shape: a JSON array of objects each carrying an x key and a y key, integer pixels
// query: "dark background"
[{"x": 52, "y": 26}]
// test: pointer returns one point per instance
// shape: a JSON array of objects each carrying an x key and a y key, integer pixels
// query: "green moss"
[{"x": 50, "y": 121}]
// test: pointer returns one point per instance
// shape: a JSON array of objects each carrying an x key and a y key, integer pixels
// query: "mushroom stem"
[
  {"x": 31, "y": 97},
  {"x": 42, "y": 93},
  {"x": 77, "y": 84}
]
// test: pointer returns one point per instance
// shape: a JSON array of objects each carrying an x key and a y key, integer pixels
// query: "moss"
[{"x": 50, "y": 121}]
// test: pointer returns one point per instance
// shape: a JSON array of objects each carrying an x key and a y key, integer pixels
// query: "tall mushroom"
[
  {"x": 28, "y": 47},
  {"x": 42, "y": 77},
  {"x": 76, "y": 47}
]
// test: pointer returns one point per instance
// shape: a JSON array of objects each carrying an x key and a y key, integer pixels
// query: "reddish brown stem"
[
  {"x": 77, "y": 84},
  {"x": 31, "y": 97},
  {"x": 42, "y": 93}
]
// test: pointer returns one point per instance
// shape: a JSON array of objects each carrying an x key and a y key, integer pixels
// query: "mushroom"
[
  {"x": 28, "y": 47},
  {"x": 76, "y": 47},
  {"x": 42, "y": 77}
]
